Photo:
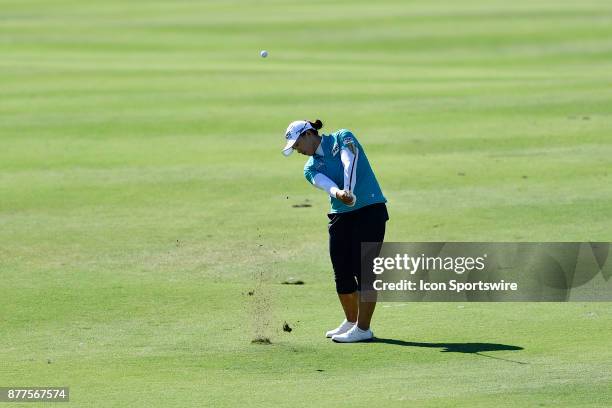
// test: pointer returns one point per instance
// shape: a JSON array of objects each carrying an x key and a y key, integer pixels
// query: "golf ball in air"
[{"x": 263, "y": 53}]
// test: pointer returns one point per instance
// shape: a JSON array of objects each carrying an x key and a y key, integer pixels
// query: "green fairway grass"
[{"x": 143, "y": 196}]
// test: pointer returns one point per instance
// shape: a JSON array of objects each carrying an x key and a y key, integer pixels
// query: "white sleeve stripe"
[
  {"x": 349, "y": 162},
  {"x": 353, "y": 178}
]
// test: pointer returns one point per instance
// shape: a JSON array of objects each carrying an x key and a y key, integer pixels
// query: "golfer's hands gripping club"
[{"x": 346, "y": 197}]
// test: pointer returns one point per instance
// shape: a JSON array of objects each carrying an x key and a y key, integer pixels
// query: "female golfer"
[{"x": 358, "y": 214}]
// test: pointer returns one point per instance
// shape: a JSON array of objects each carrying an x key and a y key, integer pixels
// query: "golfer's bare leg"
[
  {"x": 350, "y": 304},
  {"x": 366, "y": 310}
]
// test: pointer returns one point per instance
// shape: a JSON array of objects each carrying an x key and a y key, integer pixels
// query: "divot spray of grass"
[{"x": 261, "y": 308}]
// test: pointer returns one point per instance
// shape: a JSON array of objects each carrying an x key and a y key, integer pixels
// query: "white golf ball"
[{"x": 263, "y": 54}]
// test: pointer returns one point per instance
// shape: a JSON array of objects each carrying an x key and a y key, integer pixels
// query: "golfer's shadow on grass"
[{"x": 469, "y": 348}]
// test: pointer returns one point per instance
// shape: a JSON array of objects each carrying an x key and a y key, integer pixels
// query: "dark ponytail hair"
[{"x": 317, "y": 124}]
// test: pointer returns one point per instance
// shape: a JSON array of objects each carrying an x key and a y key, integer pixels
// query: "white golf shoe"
[
  {"x": 343, "y": 328},
  {"x": 354, "y": 335}
]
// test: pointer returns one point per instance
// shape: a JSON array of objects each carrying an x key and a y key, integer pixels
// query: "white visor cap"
[{"x": 294, "y": 130}]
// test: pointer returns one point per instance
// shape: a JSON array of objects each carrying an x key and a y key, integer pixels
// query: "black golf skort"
[{"x": 346, "y": 233}]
